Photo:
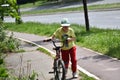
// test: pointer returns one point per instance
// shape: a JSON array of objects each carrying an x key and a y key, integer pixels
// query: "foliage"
[
  {"x": 10, "y": 7},
  {"x": 7, "y": 44},
  {"x": 3, "y": 70},
  {"x": 3, "y": 73},
  {"x": 2, "y": 56},
  {"x": 2, "y": 33}
]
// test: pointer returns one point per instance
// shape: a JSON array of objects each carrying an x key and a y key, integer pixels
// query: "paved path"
[
  {"x": 101, "y": 66},
  {"x": 32, "y": 60}
]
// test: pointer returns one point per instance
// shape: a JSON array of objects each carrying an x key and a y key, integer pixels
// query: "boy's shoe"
[
  {"x": 66, "y": 71},
  {"x": 75, "y": 75}
]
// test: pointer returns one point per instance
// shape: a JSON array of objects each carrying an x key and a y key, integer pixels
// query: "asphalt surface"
[
  {"x": 104, "y": 19},
  {"x": 24, "y": 63},
  {"x": 99, "y": 19},
  {"x": 102, "y": 67},
  {"x": 71, "y": 5}
]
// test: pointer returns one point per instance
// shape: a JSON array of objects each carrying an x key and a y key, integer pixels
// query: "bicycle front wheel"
[{"x": 60, "y": 72}]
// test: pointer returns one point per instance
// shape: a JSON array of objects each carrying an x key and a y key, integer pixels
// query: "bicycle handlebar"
[
  {"x": 47, "y": 40},
  {"x": 65, "y": 42},
  {"x": 53, "y": 41}
]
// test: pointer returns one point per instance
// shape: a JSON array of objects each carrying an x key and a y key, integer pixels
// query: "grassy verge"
[
  {"x": 43, "y": 3},
  {"x": 85, "y": 77},
  {"x": 104, "y": 6},
  {"x": 92, "y": 7},
  {"x": 101, "y": 40},
  {"x": 45, "y": 51}
]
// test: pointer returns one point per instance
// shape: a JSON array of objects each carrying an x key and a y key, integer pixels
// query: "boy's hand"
[
  {"x": 47, "y": 40},
  {"x": 44, "y": 41},
  {"x": 70, "y": 39}
]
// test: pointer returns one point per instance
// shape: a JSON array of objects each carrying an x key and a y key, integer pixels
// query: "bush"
[{"x": 7, "y": 44}]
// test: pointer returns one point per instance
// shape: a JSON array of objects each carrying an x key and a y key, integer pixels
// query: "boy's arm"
[
  {"x": 49, "y": 39},
  {"x": 72, "y": 37}
]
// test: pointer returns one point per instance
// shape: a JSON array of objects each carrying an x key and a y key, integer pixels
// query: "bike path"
[
  {"x": 103, "y": 67},
  {"x": 24, "y": 63}
]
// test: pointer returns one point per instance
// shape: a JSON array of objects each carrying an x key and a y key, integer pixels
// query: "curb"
[
  {"x": 79, "y": 68},
  {"x": 100, "y": 53}
]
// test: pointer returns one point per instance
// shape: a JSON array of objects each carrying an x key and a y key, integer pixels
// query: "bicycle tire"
[{"x": 60, "y": 70}]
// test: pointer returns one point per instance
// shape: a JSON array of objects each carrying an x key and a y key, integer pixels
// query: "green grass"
[
  {"x": 104, "y": 41},
  {"x": 43, "y": 3},
  {"x": 104, "y": 6},
  {"x": 46, "y": 11},
  {"x": 92, "y": 7},
  {"x": 45, "y": 51},
  {"x": 20, "y": 51},
  {"x": 85, "y": 77}
]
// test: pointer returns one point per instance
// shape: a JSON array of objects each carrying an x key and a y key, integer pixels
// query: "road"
[
  {"x": 91, "y": 2},
  {"x": 71, "y": 5},
  {"x": 99, "y": 19}
]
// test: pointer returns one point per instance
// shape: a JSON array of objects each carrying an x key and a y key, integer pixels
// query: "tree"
[{"x": 9, "y": 8}]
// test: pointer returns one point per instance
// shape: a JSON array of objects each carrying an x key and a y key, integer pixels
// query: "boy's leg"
[
  {"x": 73, "y": 59},
  {"x": 65, "y": 57}
]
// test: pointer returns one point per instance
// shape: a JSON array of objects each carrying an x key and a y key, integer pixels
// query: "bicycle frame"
[
  {"x": 59, "y": 67},
  {"x": 58, "y": 63},
  {"x": 58, "y": 50}
]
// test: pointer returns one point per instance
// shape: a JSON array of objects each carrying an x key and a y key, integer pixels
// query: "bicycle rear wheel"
[{"x": 60, "y": 70}]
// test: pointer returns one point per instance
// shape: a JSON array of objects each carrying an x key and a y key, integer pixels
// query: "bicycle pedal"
[{"x": 51, "y": 72}]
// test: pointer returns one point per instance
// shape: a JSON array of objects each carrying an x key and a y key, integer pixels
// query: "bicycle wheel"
[{"x": 60, "y": 70}]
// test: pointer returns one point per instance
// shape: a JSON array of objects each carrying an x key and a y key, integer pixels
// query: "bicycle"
[{"x": 58, "y": 66}]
